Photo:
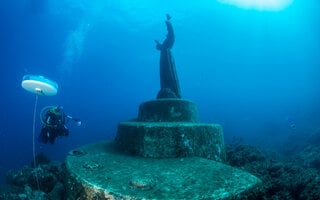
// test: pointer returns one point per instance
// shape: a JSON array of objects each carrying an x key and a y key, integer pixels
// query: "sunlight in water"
[
  {"x": 74, "y": 47},
  {"x": 268, "y": 5}
]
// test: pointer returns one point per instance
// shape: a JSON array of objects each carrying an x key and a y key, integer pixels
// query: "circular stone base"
[
  {"x": 97, "y": 171},
  {"x": 171, "y": 139},
  {"x": 168, "y": 110}
]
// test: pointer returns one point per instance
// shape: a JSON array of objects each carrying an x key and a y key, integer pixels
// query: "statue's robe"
[{"x": 169, "y": 82}]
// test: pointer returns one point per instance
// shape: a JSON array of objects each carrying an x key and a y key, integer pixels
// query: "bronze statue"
[{"x": 168, "y": 76}]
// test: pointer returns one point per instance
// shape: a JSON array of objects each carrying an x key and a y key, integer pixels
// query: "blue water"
[{"x": 256, "y": 73}]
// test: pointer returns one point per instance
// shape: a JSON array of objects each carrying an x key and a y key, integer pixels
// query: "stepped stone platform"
[
  {"x": 169, "y": 128},
  {"x": 98, "y": 171},
  {"x": 165, "y": 153},
  {"x": 168, "y": 110},
  {"x": 171, "y": 139}
]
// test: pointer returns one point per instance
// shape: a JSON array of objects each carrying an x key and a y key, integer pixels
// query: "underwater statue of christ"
[{"x": 169, "y": 82}]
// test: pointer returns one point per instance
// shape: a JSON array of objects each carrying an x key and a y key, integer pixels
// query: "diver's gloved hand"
[{"x": 78, "y": 121}]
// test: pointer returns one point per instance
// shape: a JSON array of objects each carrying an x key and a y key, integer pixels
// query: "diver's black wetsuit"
[
  {"x": 54, "y": 127},
  {"x": 169, "y": 82}
]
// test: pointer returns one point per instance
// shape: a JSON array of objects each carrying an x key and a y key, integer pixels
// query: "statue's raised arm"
[
  {"x": 169, "y": 41},
  {"x": 168, "y": 76}
]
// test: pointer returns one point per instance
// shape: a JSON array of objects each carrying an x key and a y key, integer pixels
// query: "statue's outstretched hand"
[
  {"x": 158, "y": 44},
  {"x": 168, "y": 16},
  {"x": 168, "y": 20}
]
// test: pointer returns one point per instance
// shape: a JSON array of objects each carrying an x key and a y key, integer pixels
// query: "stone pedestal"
[
  {"x": 171, "y": 139},
  {"x": 163, "y": 154},
  {"x": 169, "y": 128},
  {"x": 168, "y": 110},
  {"x": 97, "y": 171}
]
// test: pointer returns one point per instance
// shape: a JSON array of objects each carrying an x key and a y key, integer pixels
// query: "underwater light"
[
  {"x": 40, "y": 86},
  {"x": 268, "y": 5}
]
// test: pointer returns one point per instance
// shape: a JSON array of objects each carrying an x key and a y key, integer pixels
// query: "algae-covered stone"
[
  {"x": 126, "y": 177},
  {"x": 168, "y": 110},
  {"x": 171, "y": 139}
]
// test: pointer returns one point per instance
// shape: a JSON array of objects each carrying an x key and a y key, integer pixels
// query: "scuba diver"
[{"x": 54, "y": 124}]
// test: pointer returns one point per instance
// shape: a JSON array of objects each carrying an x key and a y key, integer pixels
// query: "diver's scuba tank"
[{"x": 57, "y": 110}]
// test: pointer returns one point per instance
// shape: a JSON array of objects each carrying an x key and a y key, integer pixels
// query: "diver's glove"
[{"x": 78, "y": 121}]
